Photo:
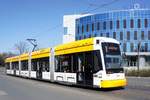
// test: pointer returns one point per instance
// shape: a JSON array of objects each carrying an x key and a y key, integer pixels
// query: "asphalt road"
[{"x": 14, "y": 88}]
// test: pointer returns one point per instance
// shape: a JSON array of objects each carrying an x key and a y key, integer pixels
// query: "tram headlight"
[
  {"x": 109, "y": 72},
  {"x": 100, "y": 75},
  {"x": 95, "y": 75}
]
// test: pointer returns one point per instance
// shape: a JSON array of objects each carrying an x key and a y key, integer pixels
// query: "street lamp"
[
  {"x": 33, "y": 42},
  {"x": 138, "y": 65}
]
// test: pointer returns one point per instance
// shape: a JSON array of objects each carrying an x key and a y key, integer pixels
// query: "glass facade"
[{"x": 129, "y": 27}]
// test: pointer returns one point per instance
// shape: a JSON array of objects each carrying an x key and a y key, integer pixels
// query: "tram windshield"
[{"x": 112, "y": 57}]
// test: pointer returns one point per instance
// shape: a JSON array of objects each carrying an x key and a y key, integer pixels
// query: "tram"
[{"x": 94, "y": 62}]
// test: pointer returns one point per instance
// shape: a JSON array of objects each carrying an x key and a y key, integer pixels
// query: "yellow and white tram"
[{"x": 94, "y": 62}]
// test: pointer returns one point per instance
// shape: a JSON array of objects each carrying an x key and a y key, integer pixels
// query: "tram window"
[
  {"x": 75, "y": 62},
  {"x": 24, "y": 65},
  {"x": 63, "y": 63},
  {"x": 44, "y": 64},
  {"x": 33, "y": 65},
  {"x": 80, "y": 62},
  {"x": 88, "y": 61},
  {"x": 66, "y": 63},
  {"x": 97, "y": 61},
  {"x": 7, "y": 65},
  {"x": 91, "y": 61},
  {"x": 15, "y": 65},
  {"x": 72, "y": 63},
  {"x": 58, "y": 64}
]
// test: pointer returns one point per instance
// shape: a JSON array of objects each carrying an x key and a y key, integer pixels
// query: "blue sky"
[{"x": 42, "y": 19}]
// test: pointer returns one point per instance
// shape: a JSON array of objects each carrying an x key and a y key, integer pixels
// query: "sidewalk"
[
  {"x": 142, "y": 82},
  {"x": 2, "y": 70}
]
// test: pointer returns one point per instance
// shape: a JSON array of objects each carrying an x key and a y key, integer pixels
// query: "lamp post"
[
  {"x": 138, "y": 65},
  {"x": 33, "y": 42}
]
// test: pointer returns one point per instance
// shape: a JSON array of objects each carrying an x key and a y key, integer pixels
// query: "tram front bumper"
[{"x": 113, "y": 83}]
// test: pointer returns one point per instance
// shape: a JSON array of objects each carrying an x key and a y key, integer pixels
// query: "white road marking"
[{"x": 2, "y": 93}]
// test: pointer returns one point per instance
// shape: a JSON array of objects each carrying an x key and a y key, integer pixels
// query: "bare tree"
[
  {"x": 22, "y": 47},
  {"x": 3, "y": 56}
]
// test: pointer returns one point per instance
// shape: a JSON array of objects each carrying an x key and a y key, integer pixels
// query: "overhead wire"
[
  {"x": 100, "y": 6},
  {"x": 84, "y": 12}
]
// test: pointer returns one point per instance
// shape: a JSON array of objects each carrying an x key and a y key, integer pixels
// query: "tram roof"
[
  {"x": 79, "y": 43},
  {"x": 84, "y": 42},
  {"x": 40, "y": 53}
]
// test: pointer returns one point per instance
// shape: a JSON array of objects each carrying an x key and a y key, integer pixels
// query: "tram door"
[
  {"x": 85, "y": 75},
  {"x": 39, "y": 71}
]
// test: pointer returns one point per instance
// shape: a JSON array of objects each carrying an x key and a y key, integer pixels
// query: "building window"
[
  {"x": 101, "y": 34},
  {"x": 79, "y": 37},
  {"x": 124, "y": 47},
  {"x": 124, "y": 23},
  {"x": 111, "y": 24},
  {"x": 84, "y": 36},
  {"x": 89, "y": 35},
  {"x": 114, "y": 35},
  {"x": 76, "y": 37},
  {"x": 135, "y": 35},
  {"x": 148, "y": 35},
  {"x": 98, "y": 26},
  {"x": 104, "y": 25},
  {"x": 128, "y": 35},
  {"x": 139, "y": 23},
  {"x": 131, "y": 23},
  {"x": 92, "y": 26},
  {"x": 107, "y": 34},
  {"x": 131, "y": 47},
  {"x": 121, "y": 35},
  {"x": 65, "y": 30},
  {"x": 142, "y": 35},
  {"x": 145, "y": 23},
  {"x": 82, "y": 29},
  {"x": 118, "y": 24},
  {"x": 87, "y": 28},
  {"x": 78, "y": 28},
  {"x": 146, "y": 47}
]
